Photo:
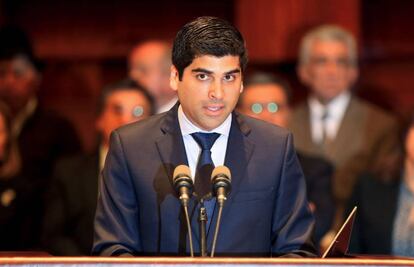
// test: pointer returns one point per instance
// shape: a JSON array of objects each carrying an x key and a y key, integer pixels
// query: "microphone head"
[
  {"x": 222, "y": 171},
  {"x": 182, "y": 170},
  {"x": 182, "y": 177},
  {"x": 221, "y": 178}
]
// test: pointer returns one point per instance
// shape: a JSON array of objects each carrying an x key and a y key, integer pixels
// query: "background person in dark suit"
[
  {"x": 71, "y": 200},
  {"x": 333, "y": 123},
  {"x": 15, "y": 190},
  {"x": 266, "y": 212},
  {"x": 267, "y": 97},
  {"x": 385, "y": 198},
  {"x": 42, "y": 136}
]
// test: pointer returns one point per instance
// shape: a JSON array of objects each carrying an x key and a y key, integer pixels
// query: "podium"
[{"x": 19, "y": 261}]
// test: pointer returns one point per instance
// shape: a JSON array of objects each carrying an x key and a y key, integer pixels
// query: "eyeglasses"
[
  {"x": 272, "y": 107},
  {"x": 136, "y": 111}
]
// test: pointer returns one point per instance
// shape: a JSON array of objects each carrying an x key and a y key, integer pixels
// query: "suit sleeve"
[
  {"x": 292, "y": 221},
  {"x": 116, "y": 219}
]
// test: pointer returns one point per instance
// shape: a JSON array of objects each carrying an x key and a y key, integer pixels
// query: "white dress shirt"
[
  {"x": 192, "y": 149},
  {"x": 103, "y": 151},
  {"x": 336, "y": 110}
]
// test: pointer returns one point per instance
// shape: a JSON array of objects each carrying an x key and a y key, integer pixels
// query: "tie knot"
[{"x": 205, "y": 140}]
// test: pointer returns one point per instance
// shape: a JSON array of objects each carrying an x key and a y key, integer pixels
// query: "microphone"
[
  {"x": 183, "y": 183},
  {"x": 184, "y": 186},
  {"x": 221, "y": 182}
]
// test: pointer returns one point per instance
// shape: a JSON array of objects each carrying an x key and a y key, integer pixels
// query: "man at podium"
[{"x": 266, "y": 212}]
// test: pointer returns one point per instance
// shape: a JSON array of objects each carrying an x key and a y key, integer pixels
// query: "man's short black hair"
[
  {"x": 207, "y": 36},
  {"x": 125, "y": 84}
]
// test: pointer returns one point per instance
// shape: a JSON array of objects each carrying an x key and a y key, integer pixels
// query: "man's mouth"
[{"x": 214, "y": 109}]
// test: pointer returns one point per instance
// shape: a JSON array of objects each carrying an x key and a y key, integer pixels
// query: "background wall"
[{"x": 85, "y": 43}]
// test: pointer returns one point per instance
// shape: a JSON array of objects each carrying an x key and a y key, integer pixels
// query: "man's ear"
[
  {"x": 241, "y": 87},
  {"x": 174, "y": 78}
]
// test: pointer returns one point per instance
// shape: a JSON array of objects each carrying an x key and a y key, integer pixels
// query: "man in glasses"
[
  {"x": 267, "y": 97},
  {"x": 71, "y": 202}
]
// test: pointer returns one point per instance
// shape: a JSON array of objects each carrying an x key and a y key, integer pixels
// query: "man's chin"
[
  {"x": 211, "y": 123},
  {"x": 326, "y": 98}
]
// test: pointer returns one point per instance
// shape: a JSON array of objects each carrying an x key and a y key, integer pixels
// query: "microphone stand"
[
  {"x": 217, "y": 228},
  {"x": 190, "y": 238},
  {"x": 202, "y": 219}
]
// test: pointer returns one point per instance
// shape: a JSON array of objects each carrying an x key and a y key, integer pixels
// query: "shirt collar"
[
  {"x": 187, "y": 127},
  {"x": 336, "y": 107}
]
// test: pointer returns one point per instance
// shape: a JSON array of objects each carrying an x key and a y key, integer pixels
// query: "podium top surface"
[{"x": 178, "y": 261}]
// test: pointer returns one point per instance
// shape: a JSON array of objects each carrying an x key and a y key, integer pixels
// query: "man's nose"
[{"x": 216, "y": 90}]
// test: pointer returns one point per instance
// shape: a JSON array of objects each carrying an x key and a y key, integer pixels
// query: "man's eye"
[
  {"x": 229, "y": 78},
  {"x": 140, "y": 69},
  {"x": 344, "y": 62},
  {"x": 202, "y": 76},
  {"x": 319, "y": 60}
]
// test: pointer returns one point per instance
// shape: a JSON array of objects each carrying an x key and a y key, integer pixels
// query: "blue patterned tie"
[{"x": 205, "y": 164}]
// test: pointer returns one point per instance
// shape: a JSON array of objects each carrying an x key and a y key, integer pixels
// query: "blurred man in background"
[
  {"x": 149, "y": 65},
  {"x": 42, "y": 136},
  {"x": 267, "y": 97},
  {"x": 71, "y": 201},
  {"x": 333, "y": 123}
]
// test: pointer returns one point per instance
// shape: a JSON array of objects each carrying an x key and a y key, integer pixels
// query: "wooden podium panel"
[{"x": 168, "y": 262}]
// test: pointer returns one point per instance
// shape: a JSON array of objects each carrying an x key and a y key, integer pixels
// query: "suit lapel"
[
  {"x": 172, "y": 153},
  {"x": 307, "y": 135},
  {"x": 352, "y": 120},
  {"x": 301, "y": 127},
  {"x": 238, "y": 154},
  {"x": 170, "y": 145}
]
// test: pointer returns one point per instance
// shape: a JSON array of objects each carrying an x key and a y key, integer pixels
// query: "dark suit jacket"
[
  {"x": 377, "y": 205},
  {"x": 15, "y": 197},
  {"x": 139, "y": 212},
  {"x": 70, "y": 206},
  {"x": 365, "y": 135},
  {"x": 44, "y": 138},
  {"x": 318, "y": 175}
]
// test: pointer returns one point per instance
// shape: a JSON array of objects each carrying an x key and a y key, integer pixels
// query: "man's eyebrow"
[
  {"x": 202, "y": 70},
  {"x": 232, "y": 71},
  {"x": 210, "y": 72}
]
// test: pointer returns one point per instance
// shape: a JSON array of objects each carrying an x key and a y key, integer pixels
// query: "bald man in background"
[{"x": 149, "y": 65}]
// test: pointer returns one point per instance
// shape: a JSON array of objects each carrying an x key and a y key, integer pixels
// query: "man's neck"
[
  {"x": 166, "y": 103},
  {"x": 188, "y": 127}
]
